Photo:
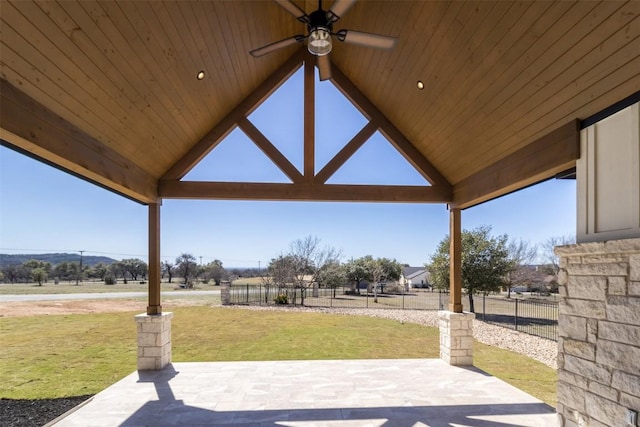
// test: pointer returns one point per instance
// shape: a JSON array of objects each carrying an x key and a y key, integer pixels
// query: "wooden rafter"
[
  {"x": 36, "y": 130},
  {"x": 270, "y": 150},
  {"x": 245, "y": 108},
  {"x": 346, "y": 152},
  {"x": 402, "y": 144},
  {"x": 540, "y": 160}
]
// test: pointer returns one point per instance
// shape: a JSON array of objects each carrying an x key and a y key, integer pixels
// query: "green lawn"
[{"x": 59, "y": 356}]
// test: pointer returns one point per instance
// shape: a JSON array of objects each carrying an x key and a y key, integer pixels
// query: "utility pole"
[{"x": 80, "y": 272}]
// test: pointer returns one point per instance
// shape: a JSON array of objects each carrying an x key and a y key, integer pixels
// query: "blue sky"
[{"x": 45, "y": 210}]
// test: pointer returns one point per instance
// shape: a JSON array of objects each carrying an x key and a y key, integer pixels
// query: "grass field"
[
  {"x": 90, "y": 287},
  {"x": 100, "y": 287},
  {"x": 68, "y": 355}
]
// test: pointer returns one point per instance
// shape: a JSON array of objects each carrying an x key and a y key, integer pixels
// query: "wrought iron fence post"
[
  {"x": 403, "y": 298},
  {"x": 516, "y": 316}
]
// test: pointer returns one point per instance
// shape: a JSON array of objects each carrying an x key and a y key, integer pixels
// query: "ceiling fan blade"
[
  {"x": 276, "y": 45},
  {"x": 367, "y": 39},
  {"x": 324, "y": 67},
  {"x": 293, "y": 9},
  {"x": 338, "y": 9}
]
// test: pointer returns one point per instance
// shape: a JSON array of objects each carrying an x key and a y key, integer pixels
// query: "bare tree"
[
  {"x": 548, "y": 249},
  {"x": 522, "y": 254},
  {"x": 308, "y": 260}
]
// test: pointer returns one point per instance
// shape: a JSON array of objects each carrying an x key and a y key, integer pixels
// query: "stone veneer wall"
[{"x": 599, "y": 333}]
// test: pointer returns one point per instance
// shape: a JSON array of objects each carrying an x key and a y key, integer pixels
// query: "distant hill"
[{"x": 88, "y": 260}]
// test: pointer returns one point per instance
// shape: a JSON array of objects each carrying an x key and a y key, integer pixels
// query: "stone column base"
[
  {"x": 456, "y": 337},
  {"x": 154, "y": 341}
]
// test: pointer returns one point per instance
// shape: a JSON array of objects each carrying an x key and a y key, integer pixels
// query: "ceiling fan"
[{"x": 319, "y": 31}]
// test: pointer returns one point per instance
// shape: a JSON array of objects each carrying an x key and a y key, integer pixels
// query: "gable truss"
[{"x": 306, "y": 186}]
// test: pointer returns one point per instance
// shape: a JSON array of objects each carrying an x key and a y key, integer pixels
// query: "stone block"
[
  {"x": 152, "y": 352},
  {"x": 623, "y": 246},
  {"x": 604, "y": 410},
  {"x": 587, "y": 287},
  {"x": 596, "y": 423},
  {"x": 466, "y": 342},
  {"x": 617, "y": 285},
  {"x": 634, "y": 289},
  {"x": 623, "y": 310},
  {"x": 573, "y": 379},
  {"x": 619, "y": 332},
  {"x": 603, "y": 390},
  {"x": 147, "y": 363},
  {"x": 153, "y": 327},
  {"x": 575, "y": 307},
  {"x": 571, "y": 397},
  {"x": 620, "y": 356},
  {"x": 629, "y": 401},
  {"x": 604, "y": 269},
  {"x": 634, "y": 267},
  {"x": 587, "y": 368},
  {"x": 573, "y": 327},
  {"x": 581, "y": 349},
  {"x": 626, "y": 382},
  {"x": 592, "y": 330},
  {"x": 563, "y": 277},
  {"x": 580, "y": 249},
  {"x": 147, "y": 339},
  {"x": 604, "y": 258}
]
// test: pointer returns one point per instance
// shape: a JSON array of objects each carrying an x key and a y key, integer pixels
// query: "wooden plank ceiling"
[{"x": 108, "y": 90}]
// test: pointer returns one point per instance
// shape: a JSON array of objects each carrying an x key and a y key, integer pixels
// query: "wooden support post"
[
  {"x": 455, "y": 261},
  {"x": 154, "y": 306},
  {"x": 309, "y": 119}
]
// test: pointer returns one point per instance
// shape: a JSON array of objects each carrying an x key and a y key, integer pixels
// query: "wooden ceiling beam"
[
  {"x": 397, "y": 139},
  {"x": 346, "y": 152},
  {"x": 542, "y": 159},
  {"x": 34, "y": 129},
  {"x": 174, "y": 189},
  {"x": 226, "y": 125},
  {"x": 309, "y": 118},
  {"x": 270, "y": 150}
]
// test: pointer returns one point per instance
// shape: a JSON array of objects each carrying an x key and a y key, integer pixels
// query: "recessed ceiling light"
[
  {"x": 420, "y": 85},
  {"x": 200, "y": 75}
]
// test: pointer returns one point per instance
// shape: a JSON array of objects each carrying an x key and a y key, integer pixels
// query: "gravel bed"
[{"x": 540, "y": 349}]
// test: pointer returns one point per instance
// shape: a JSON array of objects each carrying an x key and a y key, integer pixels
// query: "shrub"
[
  {"x": 393, "y": 288},
  {"x": 109, "y": 280},
  {"x": 281, "y": 299}
]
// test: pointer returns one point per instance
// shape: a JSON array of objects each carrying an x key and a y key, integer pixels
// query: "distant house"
[
  {"x": 415, "y": 277},
  {"x": 532, "y": 278}
]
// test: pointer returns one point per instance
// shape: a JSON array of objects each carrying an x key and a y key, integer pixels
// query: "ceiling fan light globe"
[{"x": 319, "y": 42}]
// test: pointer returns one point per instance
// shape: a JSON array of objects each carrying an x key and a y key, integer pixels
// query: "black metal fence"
[{"x": 534, "y": 317}]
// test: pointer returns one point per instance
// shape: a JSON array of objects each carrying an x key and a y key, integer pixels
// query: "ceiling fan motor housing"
[{"x": 320, "y": 29}]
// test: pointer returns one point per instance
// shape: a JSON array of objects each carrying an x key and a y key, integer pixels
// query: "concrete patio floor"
[{"x": 402, "y": 393}]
